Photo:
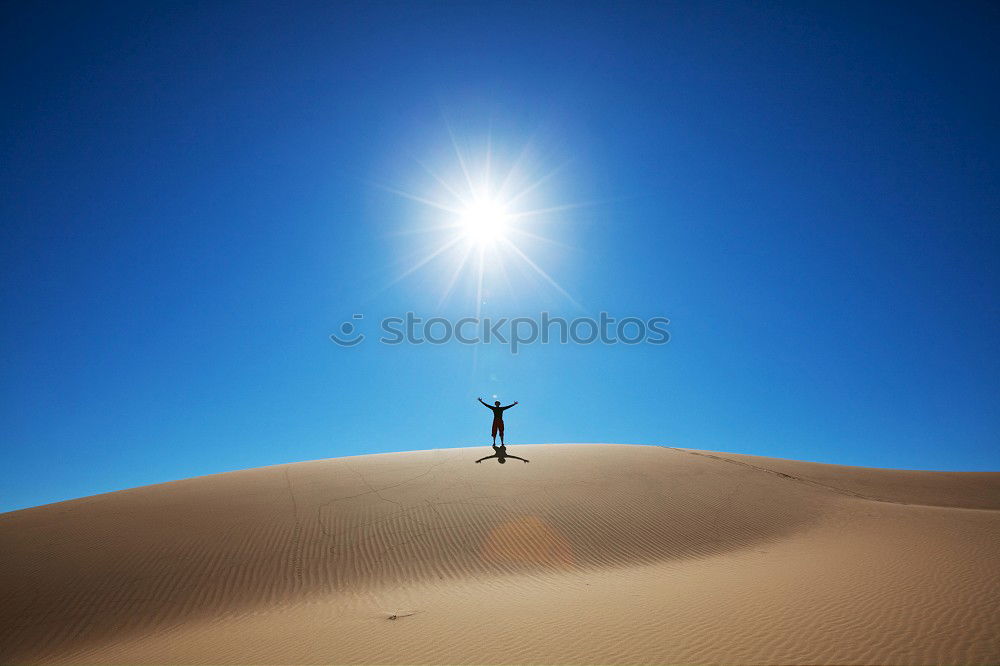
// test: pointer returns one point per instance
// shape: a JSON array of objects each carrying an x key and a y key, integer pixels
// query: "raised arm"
[
  {"x": 519, "y": 458},
  {"x": 510, "y": 405},
  {"x": 483, "y": 403},
  {"x": 487, "y": 458}
]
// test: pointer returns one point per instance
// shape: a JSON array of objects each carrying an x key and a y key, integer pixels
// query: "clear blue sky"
[{"x": 195, "y": 197}]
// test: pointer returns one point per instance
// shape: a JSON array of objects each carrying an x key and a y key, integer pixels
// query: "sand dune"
[{"x": 590, "y": 553}]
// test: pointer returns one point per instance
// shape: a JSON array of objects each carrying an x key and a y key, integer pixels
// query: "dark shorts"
[{"x": 497, "y": 427}]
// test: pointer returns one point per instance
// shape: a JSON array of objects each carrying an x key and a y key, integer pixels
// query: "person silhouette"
[
  {"x": 497, "y": 418},
  {"x": 500, "y": 453}
]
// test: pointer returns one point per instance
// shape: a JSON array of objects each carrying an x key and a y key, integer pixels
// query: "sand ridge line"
[
  {"x": 818, "y": 484},
  {"x": 792, "y": 477}
]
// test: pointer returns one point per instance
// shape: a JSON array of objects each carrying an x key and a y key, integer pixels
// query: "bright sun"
[
  {"x": 483, "y": 221},
  {"x": 486, "y": 218}
]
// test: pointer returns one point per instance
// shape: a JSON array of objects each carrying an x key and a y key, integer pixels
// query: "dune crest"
[{"x": 606, "y": 553}]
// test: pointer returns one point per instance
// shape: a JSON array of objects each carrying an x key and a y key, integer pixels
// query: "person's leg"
[
  {"x": 501, "y": 434},
  {"x": 494, "y": 433}
]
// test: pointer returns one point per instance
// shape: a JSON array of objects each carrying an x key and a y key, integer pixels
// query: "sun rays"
[{"x": 481, "y": 220}]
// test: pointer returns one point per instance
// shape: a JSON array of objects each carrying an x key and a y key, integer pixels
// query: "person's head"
[
  {"x": 496, "y": 402},
  {"x": 501, "y": 460}
]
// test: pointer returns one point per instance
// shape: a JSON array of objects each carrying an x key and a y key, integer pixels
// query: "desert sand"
[{"x": 591, "y": 553}]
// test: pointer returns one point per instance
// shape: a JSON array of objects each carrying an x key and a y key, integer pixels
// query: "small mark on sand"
[{"x": 395, "y": 615}]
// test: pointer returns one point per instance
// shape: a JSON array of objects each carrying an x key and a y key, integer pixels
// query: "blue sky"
[{"x": 195, "y": 198}]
